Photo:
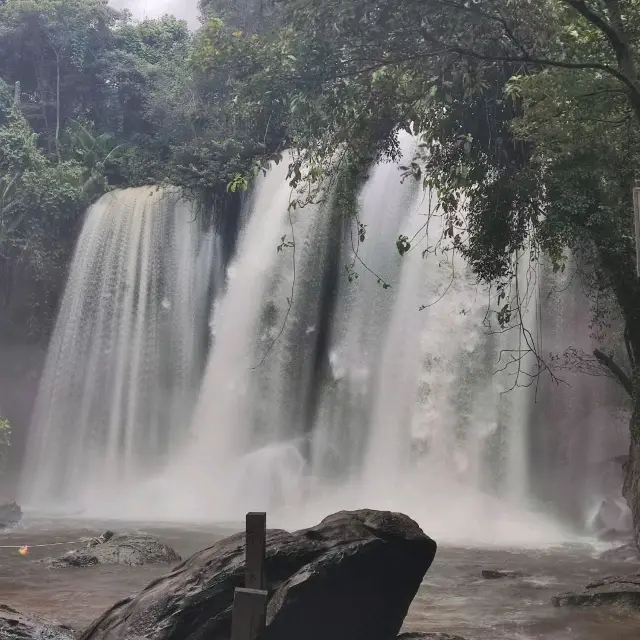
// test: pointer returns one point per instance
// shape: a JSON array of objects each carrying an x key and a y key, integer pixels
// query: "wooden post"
[
  {"x": 249, "y": 609},
  {"x": 250, "y": 603},
  {"x": 636, "y": 219},
  {"x": 256, "y": 533}
]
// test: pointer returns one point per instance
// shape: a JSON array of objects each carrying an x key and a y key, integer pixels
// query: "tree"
[
  {"x": 56, "y": 50},
  {"x": 39, "y": 203},
  {"x": 528, "y": 112},
  {"x": 250, "y": 16},
  {"x": 87, "y": 119},
  {"x": 468, "y": 77}
]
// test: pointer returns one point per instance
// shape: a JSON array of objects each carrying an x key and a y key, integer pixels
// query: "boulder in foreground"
[
  {"x": 10, "y": 515},
  {"x": 127, "y": 549},
  {"x": 623, "y": 591},
  {"x": 352, "y": 577},
  {"x": 17, "y": 626}
]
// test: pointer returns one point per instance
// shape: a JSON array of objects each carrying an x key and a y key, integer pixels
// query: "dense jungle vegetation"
[{"x": 529, "y": 113}]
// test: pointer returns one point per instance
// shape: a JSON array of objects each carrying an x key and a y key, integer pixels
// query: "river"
[{"x": 453, "y": 598}]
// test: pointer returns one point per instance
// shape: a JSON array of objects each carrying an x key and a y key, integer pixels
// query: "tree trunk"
[
  {"x": 631, "y": 487},
  {"x": 57, "y": 104}
]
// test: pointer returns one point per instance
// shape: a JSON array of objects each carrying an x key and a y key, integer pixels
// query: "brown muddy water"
[{"x": 453, "y": 598}]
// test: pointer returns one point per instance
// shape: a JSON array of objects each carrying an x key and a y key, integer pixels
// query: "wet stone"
[
  {"x": 125, "y": 549},
  {"x": 10, "y": 515},
  {"x": 352, "y": 576},
  {"x": 18, "y": 626},
  {"x": 624, "y": 553},
  {"x": 621, "y": 591},
  {"x": 499, "y": 574}
]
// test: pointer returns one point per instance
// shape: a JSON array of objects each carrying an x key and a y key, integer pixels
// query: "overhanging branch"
[
  {"x": 617, "y": 372},
  {"x": 615, "y": 39}
]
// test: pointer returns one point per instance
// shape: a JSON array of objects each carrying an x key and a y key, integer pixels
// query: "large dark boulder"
[
  {"x": 127, "y": 549},
  {"x": 17, "y": 626},
  {"x": 10, "y": 515},
  {"x": 621, "y": 591},
  {"x": 352, "y": 577}
]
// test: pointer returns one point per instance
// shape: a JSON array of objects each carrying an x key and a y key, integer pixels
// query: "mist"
[{"x": 141, "y": 9}]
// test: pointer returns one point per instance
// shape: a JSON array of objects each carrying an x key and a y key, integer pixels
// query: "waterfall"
[
  {"x": 123, "y": 365},
  {"x": 410, "y": 405},
  {"x": 582, "y": 424},
  {"x": 395, "y": 389}
]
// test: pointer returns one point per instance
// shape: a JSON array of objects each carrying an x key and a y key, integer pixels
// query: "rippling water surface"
[{"x": 453, "y": 599}]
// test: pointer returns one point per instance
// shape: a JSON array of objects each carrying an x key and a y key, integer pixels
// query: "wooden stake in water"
[
  {"x": 636, "y": 219},
  {"x": 256, "y": 541}
]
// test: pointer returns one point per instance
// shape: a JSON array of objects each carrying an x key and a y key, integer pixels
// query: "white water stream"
[{"x": 123, "y": 366}]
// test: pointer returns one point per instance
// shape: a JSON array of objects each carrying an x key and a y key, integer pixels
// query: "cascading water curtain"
[
  {"x": 123, "y": 366},
  {"x": 395, "y": 407},
  {"x": 320, "y": 392}
]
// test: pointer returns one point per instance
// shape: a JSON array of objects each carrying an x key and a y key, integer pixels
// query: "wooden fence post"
[
  {"x": 249, "y": 609},
  {"x": 250, "y": 604},
  {"x": 256, "y": 541}
]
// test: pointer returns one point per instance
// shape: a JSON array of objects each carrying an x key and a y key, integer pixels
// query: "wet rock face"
[
  {"x": 613, "y": 520},
  {"x": 17, "y": 626},
  {"x": 127, "y": 549},
  {"x": 351, "y": 577},
  {"x": 623, "y": 553},
  {"x": 621, "y": 591},
  {"x": 10, "y": 515}
]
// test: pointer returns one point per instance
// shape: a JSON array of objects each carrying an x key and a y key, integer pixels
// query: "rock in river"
[
  {"x": 351, "y": 577},
  {"x": 128, "y": 549},
  {"x": 17, "y": 626},
  {"x": 616, "y": 590},
  {"x": 498, "y": 574},
  {"x": 10, "y": 515},
  {"x": 624, "y": 553}
]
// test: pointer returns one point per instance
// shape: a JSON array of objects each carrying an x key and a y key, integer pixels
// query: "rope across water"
[{"x": 35, "y": 546}]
